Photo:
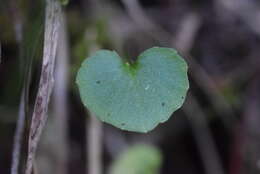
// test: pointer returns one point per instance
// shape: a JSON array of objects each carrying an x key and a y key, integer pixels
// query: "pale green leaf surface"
[
  {"x": 64, "y": 2},
  {"x": 139, "y": 159},
  {"x": 134, "y": 97}
]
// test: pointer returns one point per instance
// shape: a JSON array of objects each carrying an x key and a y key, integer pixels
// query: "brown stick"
[{"x": 52, "y": 23}]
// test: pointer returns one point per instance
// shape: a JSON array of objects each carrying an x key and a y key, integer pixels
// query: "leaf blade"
[{"x": 136, "y": 101}]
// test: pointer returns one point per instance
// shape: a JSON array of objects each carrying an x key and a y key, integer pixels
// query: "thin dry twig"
[
  {"x": 187, "y": 32},
  {"x": 52, "y": 24},
  {"x": 18, "y": 134},
  {"x": 94, "y": 130},
  {"x": 61, "y": 100},
  {"x": 94, "y": 145},
  {"x": 20, "y": 124}
]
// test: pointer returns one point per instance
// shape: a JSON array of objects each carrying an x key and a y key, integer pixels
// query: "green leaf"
[
  {"x": 64, "y": 2},
  {"x": 134, "y": 97},
  {"x": 139, "y": 159}
]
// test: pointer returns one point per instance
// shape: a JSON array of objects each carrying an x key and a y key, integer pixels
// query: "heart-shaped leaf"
[{"x": 134, "y": 97}]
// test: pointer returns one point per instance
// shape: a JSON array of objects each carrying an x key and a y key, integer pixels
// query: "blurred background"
[{"x": 217, "y": 131}]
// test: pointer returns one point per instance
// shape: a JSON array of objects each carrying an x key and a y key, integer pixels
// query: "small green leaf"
[
  {"x": 134, "y": 97},
  {"x": 64, "y": 2},
  {"x": 139, "y": 159}
]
